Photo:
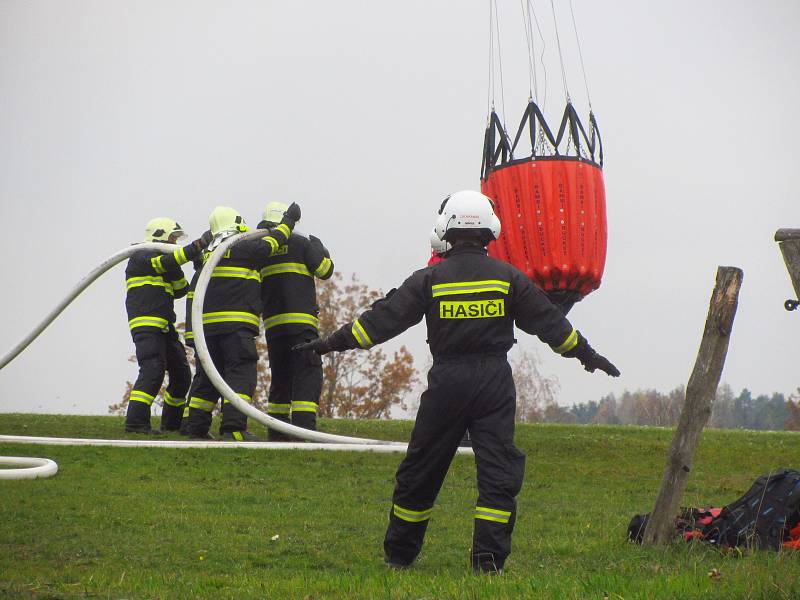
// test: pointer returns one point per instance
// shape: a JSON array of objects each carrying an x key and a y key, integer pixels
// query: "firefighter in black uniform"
[
  {"x": 470, "y": 303},
  {"x": 231, "y": 319},
  {"x": 153, "y": 281},
  {"x": 291, "y": 316}
]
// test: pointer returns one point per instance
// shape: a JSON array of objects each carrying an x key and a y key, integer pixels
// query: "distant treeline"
[{"x": 651, "y": 407}]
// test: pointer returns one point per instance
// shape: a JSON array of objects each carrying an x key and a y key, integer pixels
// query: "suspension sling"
[{"x": 551, "y": 201}]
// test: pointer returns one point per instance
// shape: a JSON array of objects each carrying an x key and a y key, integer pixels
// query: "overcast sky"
[{"x": 368, "y": 114}]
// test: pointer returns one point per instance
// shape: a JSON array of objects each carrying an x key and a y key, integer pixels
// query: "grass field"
[{"x": 165, "y": 523}]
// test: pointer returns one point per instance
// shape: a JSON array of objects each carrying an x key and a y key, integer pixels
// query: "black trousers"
[
  {"x": 296, "y": 381},
  {"x": 475, "y": 393},
  {"x": 235, "y": 357},
  {"x": 158, "y": 353}
]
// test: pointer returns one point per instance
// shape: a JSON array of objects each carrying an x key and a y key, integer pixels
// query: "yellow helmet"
[
  {"x": 225, "y": 219},
  {"x": 273, "y": 213},
  {"x": 161, "y": 229}
]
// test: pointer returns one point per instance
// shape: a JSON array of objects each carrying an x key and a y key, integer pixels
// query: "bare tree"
[{"x": 536, "y": 393}]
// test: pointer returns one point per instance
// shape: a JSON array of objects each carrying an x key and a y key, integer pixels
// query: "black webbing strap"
[{"x": 498, "y": 151}]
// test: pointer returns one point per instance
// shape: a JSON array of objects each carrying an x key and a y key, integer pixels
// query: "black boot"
[
  {"x": 199, "y": 422},
  {"x": 232, "y": 419},
  {"x": 273, "y": 435},
  {"x": 137, "y": 419},
  {"x": 171, "y": 417},
  {"x": 305, "y": 419}
]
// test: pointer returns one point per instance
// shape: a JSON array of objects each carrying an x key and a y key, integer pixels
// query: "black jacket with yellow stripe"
[
  {"x": 233, "y": 296},
  {"x": 288, "y": 290},
  {"x": 470, "y": 303},
  {"x": 153, "y": 281}
]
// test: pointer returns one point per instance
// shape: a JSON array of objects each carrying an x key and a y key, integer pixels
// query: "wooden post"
[
  {"x": 700, "y": 392},
  {"x": 789, "y": 243}
]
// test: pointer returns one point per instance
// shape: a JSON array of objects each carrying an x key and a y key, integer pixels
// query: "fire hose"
[{"x": 41, "y": 467}]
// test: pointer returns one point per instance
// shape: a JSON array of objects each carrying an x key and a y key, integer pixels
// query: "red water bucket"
[{"x": 552, "y": 208}]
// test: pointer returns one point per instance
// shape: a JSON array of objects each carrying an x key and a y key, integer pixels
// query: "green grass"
[{"x": 164, "y": 523}]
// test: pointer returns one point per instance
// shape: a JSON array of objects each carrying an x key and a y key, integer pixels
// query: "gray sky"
[{"x": 368, "y": 114}]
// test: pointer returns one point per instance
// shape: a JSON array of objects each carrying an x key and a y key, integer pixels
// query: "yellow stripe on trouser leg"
[
  {"x": 303, "y": 406},
  {"x": 143, "y": 397},
  {"x": 244, "y": 397},
  {"x": 492, "y": 514},
  {"x": 278, "y": 408},
  {"x": 172, "y": 401},
  {"x": 412, "y": 516},
  {"x": 199, "y": 403}
]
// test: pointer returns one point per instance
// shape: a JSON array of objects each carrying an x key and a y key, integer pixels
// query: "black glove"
[
  {"x": 590, "y": 359},
  {"x": 320, "y": 346},
  {"x": 204, "y": 240},
  {"x": 292, "y": 215},
  {"x": 318, "y": 242}
]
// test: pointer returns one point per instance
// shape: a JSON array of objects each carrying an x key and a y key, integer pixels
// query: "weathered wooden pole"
[
  {"x": 700, "y": 392},
  {"x": 789, "y": 243}
]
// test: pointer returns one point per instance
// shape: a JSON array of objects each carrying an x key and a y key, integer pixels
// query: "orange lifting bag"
[{"x": 552, "y": 205}]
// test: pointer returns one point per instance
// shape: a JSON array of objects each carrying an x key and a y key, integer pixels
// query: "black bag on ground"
[{"x": 762, "y": 517}]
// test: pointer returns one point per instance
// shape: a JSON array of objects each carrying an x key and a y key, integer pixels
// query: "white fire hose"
[{"x": 42, "y": 467}]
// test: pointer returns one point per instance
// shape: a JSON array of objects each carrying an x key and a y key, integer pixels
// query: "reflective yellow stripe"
[
  {"x": 304, "y": 406},
  {"x": 492, "y": 514},
  {"x": 189, "y": 335},
  {"x": 287, "y": 318},
  {"x": 199, "y": 403},
  {"x": 134, "y": 282},
  {"x": 149, "y": 322},
  {"x": 324, "y": 267},
  {"x": 471, "y": 287},
  {"x": 412, "y": 516},
  {"x": 185, "y": 411},
  {"x": 179, "y": 284},
  {"x": 230, "y": 316},
  {"x": 278, "y": 408},
  {"x": 168, "y": 399},
  {"x": 237, "y": 435},
  {"x": 180, "y": 256},
  {"x": 360, "y": 334},
  {"x": 140, "y": 396},
  {"x": 155, "y": 262},
  {"x": 298, "y": 268},
  {"x": 190, "y": 294},
  {"x": 273, "y": 244},
  {"x": 240, "y": 272},
  {"x": 284, "y": 229},
  {"x": 569, "y": 343}
]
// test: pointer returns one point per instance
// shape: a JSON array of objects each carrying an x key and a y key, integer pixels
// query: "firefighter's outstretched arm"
[
  {"x": 389, "y": 317},
  {"x": 165, "y": 263},
  {"x": 538, "y": 316},
  {"x": 279, "y": 235}
]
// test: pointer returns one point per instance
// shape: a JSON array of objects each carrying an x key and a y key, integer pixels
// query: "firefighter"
[
  {"x": 153, "y": 281},
  {"x": 471, "y": 303},
  {"x": 439, "y": 249},
  {"x": 231, "y": 319},
  {"x": 291, "y": 317}
]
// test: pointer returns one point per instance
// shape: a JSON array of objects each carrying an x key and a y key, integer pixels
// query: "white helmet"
[
  {"x": 273, "y": 213},
  {"x": 437, "y": 245},
  {"x": 467, "y": 210},
  {"x": 161, "y": 228}
]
